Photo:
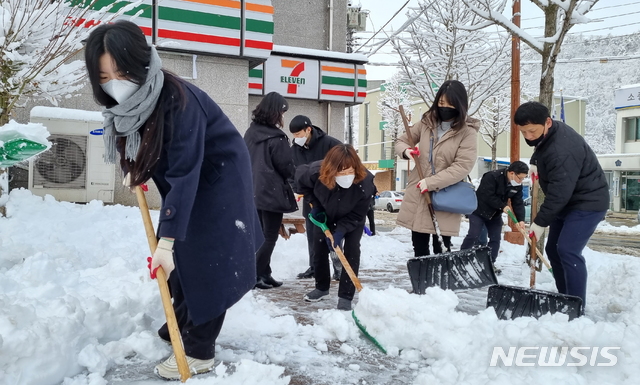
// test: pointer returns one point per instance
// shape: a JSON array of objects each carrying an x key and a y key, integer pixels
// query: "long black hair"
[
  {"x": 128, "y": 47},
  {"x": 456, "y": 96},
  {"x": 270, "y": 110}
]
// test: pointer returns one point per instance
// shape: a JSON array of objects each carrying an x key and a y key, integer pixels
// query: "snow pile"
[{"x": 77, "y": 307}]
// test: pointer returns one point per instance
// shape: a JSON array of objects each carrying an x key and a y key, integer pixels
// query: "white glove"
[
  {"x": 536, "y": 230},
  {"x": 126, "y": 182},
  {"x": 533, "y": 171},
  {"x": 163, "y": 256},
  {"x": 422, "y": 185}
]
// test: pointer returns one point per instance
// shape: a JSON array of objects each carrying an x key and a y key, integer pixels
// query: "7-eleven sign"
[{"x": 292, "y": 77}]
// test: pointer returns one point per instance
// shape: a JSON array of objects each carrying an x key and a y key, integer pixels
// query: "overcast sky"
[{"x": 616, "y": 17}]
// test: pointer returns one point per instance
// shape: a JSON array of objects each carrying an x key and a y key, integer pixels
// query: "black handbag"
[{"x": 458, "y": 198}]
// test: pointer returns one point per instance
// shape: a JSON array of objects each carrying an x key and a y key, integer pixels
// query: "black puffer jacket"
[
  {"x": 272, "y": 166},
  {"x": 493, "y": 194},
  {"x": 346, "y": 209},
  {"x": 570, "y": 175},
  {"x": 316, "y": 149}
]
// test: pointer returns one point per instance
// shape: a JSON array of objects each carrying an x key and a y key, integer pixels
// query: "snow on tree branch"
[
  {"x": 438, "y": 50},
  {"x": 38, "y": 38}
]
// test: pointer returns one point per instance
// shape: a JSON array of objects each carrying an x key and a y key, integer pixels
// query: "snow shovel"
[
  {"x": 165, "y": 295},
  {"x": 354, "y": 278},
  {"x": 15, "y": 149},
  {"x": 511, "y": 302},
  {"x": 464, "y": 269}
]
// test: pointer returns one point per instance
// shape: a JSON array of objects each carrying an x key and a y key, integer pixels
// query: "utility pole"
[{"x": 515, "y": 236}]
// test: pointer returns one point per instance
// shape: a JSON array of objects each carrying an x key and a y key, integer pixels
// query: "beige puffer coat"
[{"x": 454, "y": 156}]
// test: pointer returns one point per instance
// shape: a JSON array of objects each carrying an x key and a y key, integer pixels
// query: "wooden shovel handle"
[
  {"x": 345, "y": 263},
  {"x": 507, "y": 210},
  {"x": 161, "y": 278}
]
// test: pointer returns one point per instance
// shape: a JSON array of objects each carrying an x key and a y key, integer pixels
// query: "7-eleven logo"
[{"x": 294, "y": 78}]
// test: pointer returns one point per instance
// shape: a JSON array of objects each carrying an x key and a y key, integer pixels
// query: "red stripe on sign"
[
  {"x": 258, "y": 44},
  {"x": 194, "y": 37},
  {"x": 255, "y": 86},
  {"x": 362, "y": 94},
  {"x": 198, "y": 38},
  {"x": 338, "y": 93}
]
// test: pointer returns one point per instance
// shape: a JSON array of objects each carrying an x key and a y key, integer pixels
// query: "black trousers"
[
  {"x": 420, "y": 243},
  {"x": 199, "y": 340},
  {"x": 346, "y": 288},
  {"x": 309, "y": 228},
  {"x": 372, "y": 224},
  {"x": 494, "y": 229},
  {"x": 568, "y": 236},
  {"x": 270, "y": 222}
]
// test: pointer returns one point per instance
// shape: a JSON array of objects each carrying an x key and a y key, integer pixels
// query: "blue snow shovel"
[{"x": 354, "y": 278}]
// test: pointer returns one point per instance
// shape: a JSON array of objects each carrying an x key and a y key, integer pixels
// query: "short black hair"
[
  {"x": 518, "y": 167},
  {"x": 531, "y": 113}
]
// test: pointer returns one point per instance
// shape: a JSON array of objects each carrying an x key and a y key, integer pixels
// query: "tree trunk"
[{"x": 549, "y": 57}]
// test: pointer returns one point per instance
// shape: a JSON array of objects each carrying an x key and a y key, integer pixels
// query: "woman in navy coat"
[{"x": 172, "y": 132}]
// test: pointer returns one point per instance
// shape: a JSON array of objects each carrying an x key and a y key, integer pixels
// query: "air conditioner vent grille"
[{"x": 64, "y": 165}]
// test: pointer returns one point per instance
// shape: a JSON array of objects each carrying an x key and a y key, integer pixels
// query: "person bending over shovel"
[
  {"x": 576, "y": 193},
  {"x": 339, "y": 189},
  {"x": 172, "y": 132},
  {"x": 494, "y": 192}
]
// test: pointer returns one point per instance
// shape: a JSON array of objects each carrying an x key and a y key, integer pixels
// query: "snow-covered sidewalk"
[{"x": 77, "y": 307}]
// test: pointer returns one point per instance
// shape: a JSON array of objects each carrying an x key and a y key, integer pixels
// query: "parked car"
[{"x": 389, "y": 200}]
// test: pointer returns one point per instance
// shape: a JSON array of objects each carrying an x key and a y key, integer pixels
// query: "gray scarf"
[{"x": 126, "y": 118}]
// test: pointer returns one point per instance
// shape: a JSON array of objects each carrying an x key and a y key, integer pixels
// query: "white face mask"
[
  {"x": 345, "y": 181},
  {"x": 514, "y": 183},
  {"x": 119, "y": 89},
  {"x": 300, "y": 141}
]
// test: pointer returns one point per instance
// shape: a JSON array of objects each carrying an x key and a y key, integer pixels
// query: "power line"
[
  {"x": 385, "y": 24},
  {"x": 593, "y": 10},
  {"x": 608, "y": 17}
]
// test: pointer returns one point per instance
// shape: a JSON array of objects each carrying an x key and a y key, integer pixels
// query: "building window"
[
  {"x": 631, "y": 128},
  {"x": 366, "y": 131}
]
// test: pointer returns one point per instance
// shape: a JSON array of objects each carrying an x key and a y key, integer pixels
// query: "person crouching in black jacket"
[
  {"x": 494, "y": 192},
  {"x": 339, "y": 189}
]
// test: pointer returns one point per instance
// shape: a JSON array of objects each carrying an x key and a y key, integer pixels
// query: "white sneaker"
[{"x": 169, "y": 368}]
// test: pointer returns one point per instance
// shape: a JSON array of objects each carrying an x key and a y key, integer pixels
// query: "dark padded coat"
[
  {"x": 204, "y": 178},
  {"x": 316, "y": 149},
  {"x": 493, "y": 194},
  {"x": 570, "y": 175},
  {"x": 346, "y": 209},
  {"x": 272, "y": 164}
]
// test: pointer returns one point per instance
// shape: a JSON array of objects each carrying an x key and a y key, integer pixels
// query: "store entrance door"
[{"x": 631, "y": 195}]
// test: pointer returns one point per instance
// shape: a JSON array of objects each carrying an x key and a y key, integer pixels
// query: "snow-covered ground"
[{"x": 77, "y": 307}]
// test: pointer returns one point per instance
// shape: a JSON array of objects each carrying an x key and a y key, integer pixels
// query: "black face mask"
[
  {"x": 535, "y": 142},
  {"x": 447, "y": 113}
]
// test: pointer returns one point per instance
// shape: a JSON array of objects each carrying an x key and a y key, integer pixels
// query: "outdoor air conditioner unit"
[{"x": 73, "y": 169}]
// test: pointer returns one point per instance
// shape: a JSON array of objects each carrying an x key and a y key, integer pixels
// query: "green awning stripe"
[{"x": 338, "y": 81}]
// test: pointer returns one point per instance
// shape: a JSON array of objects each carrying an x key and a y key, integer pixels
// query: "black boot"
[
  {"x": 307, "y": 274},
  {"x": 269, "y": 280},
  {"x": 261, "y": 284}
]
